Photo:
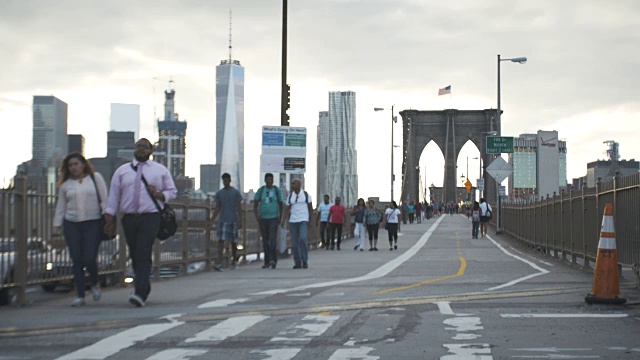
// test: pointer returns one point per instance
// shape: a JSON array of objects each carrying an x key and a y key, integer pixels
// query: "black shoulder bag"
[
  {"x": 168, "y": 224},
  {"x": 105, "y": 236}
]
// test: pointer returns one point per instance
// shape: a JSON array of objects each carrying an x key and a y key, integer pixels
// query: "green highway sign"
[{"x": 499, "y": 144}]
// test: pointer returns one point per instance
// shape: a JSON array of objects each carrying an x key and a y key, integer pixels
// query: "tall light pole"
[
  {"x": 519, "y": 60},
  {"x": 393, "y": 177}
]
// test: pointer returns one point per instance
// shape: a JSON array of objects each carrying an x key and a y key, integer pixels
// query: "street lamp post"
[
  {"x": 392, "y": 121},
  {"x": 519, "y": 60}
]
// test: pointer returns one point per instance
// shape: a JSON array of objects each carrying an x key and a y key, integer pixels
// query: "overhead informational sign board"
[
  {"x": 499, "y": 169},
  {"x": 499, "y": 144},
  {"x": 284, "y": 149}
]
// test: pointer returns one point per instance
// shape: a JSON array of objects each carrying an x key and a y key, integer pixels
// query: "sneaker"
[
  {"x": 273, "y": 265},
  {"x": 305, "y": 265},
  {"x": 391, "y": 249},
  {"x": 234, "y": 266},
  {"x": 370, "y": 249},
  {"x": 375, "y": 249},
  {"x": 78, "y": 302},
  {"x": 218, "y": 268},
  {"x": 361, "y": 249},
  {"x": 95, "y": 290},
  {"x": 136, "y": 300},
  {"x": 355, "y": 248},
  {"x": 395, "y": 247},
  {"x": 266, "y": 266},
  {"x": 297, "y": 266}
]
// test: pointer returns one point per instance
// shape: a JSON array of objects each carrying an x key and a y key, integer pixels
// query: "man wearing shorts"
[{"x": 229, "y": 207}]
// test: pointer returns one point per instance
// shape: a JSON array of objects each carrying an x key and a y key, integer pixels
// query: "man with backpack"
[
  {"x": 298, "y": 211},
  {"x": 267, "y": 207}
]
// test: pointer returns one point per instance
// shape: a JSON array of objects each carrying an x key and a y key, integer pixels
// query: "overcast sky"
[{"x": 581, "y": 77}]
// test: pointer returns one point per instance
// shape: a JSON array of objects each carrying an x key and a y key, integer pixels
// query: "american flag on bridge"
[{"x": 445, "y": 90}]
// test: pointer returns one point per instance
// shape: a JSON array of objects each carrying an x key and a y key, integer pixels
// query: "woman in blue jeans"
[{"x": 82, "y": 196}]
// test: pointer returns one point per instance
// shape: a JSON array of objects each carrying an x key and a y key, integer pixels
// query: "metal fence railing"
[
  {"x": 568, "y": 224},
  {"x": 30, "y": 255}
]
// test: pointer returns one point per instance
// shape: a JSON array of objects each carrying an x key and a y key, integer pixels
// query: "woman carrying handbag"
[{"x": 79, "y": 213}]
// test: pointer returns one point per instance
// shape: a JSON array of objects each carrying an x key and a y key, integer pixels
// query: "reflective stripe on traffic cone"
[{"x": 606, "y": 282}]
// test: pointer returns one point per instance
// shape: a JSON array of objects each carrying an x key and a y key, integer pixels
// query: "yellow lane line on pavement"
[{"x": 461, "y": 270}]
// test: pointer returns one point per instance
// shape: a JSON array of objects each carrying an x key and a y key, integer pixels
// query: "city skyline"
[{"x": 571, "y": 83}]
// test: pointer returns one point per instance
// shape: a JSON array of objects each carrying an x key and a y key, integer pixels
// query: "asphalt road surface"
[{"x": 440, "y": 295}]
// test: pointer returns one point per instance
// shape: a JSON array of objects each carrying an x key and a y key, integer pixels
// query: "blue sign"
[{"x": 272, "y": 139}]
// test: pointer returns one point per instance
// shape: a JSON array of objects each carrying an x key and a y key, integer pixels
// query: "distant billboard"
[{"x": 284, "y": 149}]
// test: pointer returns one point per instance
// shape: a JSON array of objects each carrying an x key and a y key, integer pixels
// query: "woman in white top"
[
  {"x": 79, "y": 212},
  {"x": 391, "y": 224}
]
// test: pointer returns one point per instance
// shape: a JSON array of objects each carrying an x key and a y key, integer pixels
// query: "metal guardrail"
[
  {"x": 31, "y": 256},
  {"x": 568, "y": 224}
]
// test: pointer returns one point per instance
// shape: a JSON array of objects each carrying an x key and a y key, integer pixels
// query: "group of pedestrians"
[
  {"x": 85, "y": 212},
  {"x": 480, "y": 216}
]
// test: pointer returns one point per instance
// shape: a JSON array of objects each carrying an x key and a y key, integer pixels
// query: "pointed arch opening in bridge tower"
[
  {"x": 430, "y": 171},
  {"x": 450, "y": 129}
]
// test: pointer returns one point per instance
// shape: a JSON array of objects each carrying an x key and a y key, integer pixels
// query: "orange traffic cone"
[{"x": 606, "y": 282}]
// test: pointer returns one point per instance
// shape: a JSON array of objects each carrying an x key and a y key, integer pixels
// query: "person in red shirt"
[{"x": 337, "y": 214}]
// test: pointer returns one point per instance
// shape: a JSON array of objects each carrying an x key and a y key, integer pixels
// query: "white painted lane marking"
[
  {"x": 300, "y": 294},
  {"x": 176, "y": 354},
  {"x": 553, "y": 349},
  {"x": 120, "y": 341},
  {"x": 311, "y": 326},
  {"x": 355, "y": 353},
  {"x": 468, "y": 351},
  {"x": 564, "y": 315},
  {"x": 278, "y": 354},
  {"x": 462, "y": 324},
  {"x": 445, "y": 309},
  {"x": 513, "y": 282},
  {"x": 464, "y": 336},
  {"x": 221, "y": 303},
  {"x": 334, "y": 294},
  {"x": 382, "y": 271},
  {"x": 230, "y": 327}
]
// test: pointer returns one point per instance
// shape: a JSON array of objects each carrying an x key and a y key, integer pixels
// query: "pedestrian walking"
[
  {"x": 412, "y": 211},
  {"x": 372, "y": 219},
  {"x": 229, "y": 206},
  {"x": 298, "y": 211},
  {"x": 391, "y": 224},
  {"x": 475, "y": 219},
  {"x": 82, "y": 196},
  {"x": 337, "y": 214},
  {"x": 405, "y": 212},
  {"x": 419, "y": 209},
  {"x": 268, "y": 207},
  {"x": 485, "y": 215},
  {"x": 133, "y": 187},
  {"x": 359, "y": 232},
  {"x": 323, "y": 218}
]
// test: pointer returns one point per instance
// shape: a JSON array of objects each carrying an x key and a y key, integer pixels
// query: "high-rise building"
[
  {"x": 539, "y": 165},
  {"x": 119, "y": 140},
  {"x": 125, "y": 117},
  {"x": 119, "y": 151},
  {"x": 49, "y": 131},
  {"x": 75, "y": 143},
  {"x": 171, "y": 147},
  {"x": 209, "y": 178},
  {"x": 338, "y": 127},
  {"x": 323, "y": 142},
  {"x": 230, "y": 120}
]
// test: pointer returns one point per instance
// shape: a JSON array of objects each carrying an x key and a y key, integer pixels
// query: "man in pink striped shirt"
[{"x": 141, "y": 220}]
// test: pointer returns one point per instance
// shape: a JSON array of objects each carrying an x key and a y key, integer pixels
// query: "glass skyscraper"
[
  {"x": 49, "y": 131},
  {"x": 230, "y": 121},
  {"x": 339, "y": 128}
]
